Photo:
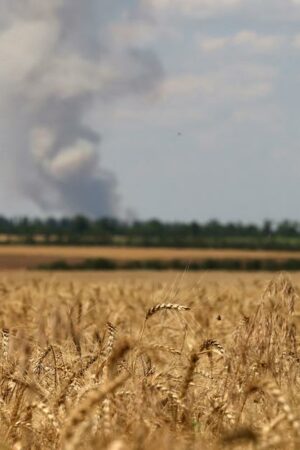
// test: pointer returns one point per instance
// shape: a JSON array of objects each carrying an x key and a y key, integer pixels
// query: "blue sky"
[{"x": 213, "y": 131}]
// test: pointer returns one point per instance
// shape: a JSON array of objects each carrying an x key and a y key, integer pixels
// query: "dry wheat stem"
[{"x": 86, "y": 408}]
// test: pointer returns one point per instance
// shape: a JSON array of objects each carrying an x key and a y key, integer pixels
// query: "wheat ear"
[
  {"x": 211, "y": 345},
  {"x": 162, "y": 306},
  {"x": 5, "y": 342}
]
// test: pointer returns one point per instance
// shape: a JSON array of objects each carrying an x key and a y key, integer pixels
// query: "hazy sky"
[{"x": 189, "y": 108}]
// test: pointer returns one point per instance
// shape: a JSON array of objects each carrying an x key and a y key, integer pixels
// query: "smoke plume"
[{"x": 56, "y": 62}]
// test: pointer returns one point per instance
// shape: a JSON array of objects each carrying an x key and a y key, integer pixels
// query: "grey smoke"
[{"x": 56, "y": 62}]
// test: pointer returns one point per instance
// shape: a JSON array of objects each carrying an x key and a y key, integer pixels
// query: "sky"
[{"x": 174, "y": 109}]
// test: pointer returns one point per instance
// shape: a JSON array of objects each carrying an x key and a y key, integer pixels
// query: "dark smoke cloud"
[{"x": 57, "y": 61}]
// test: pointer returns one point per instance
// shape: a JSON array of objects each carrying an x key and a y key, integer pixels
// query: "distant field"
[
  {"x": 22, "y": 257},
  {"x": 173, "y": 280}
]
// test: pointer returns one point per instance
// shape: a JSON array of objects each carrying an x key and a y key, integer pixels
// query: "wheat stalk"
[
  {"x": 276, "y": 393},
  {"x": 85, "y": 408},
  {"x": 194, "y": 357}
]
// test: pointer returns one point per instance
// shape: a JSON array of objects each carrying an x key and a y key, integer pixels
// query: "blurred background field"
[
  {"x": 111, "y": 258},
  {"x": 211, "y": 281}
]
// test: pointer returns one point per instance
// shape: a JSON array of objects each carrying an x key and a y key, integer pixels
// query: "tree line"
[{"x": 81, "y": 230}]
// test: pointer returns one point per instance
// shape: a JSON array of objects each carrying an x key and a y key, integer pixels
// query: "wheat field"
[{"x": 149, "y": 362}]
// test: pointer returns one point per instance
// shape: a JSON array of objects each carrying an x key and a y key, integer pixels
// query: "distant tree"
[
  {"x": 267, "y": 227},
  {"x": 80, "y": 225},
  {"x": 288, "y": 228}
]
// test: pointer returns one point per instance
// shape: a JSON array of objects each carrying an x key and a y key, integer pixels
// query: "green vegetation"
[
  {"x": 83, "y": 231},
  {"x": 176, "y": 264}
]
